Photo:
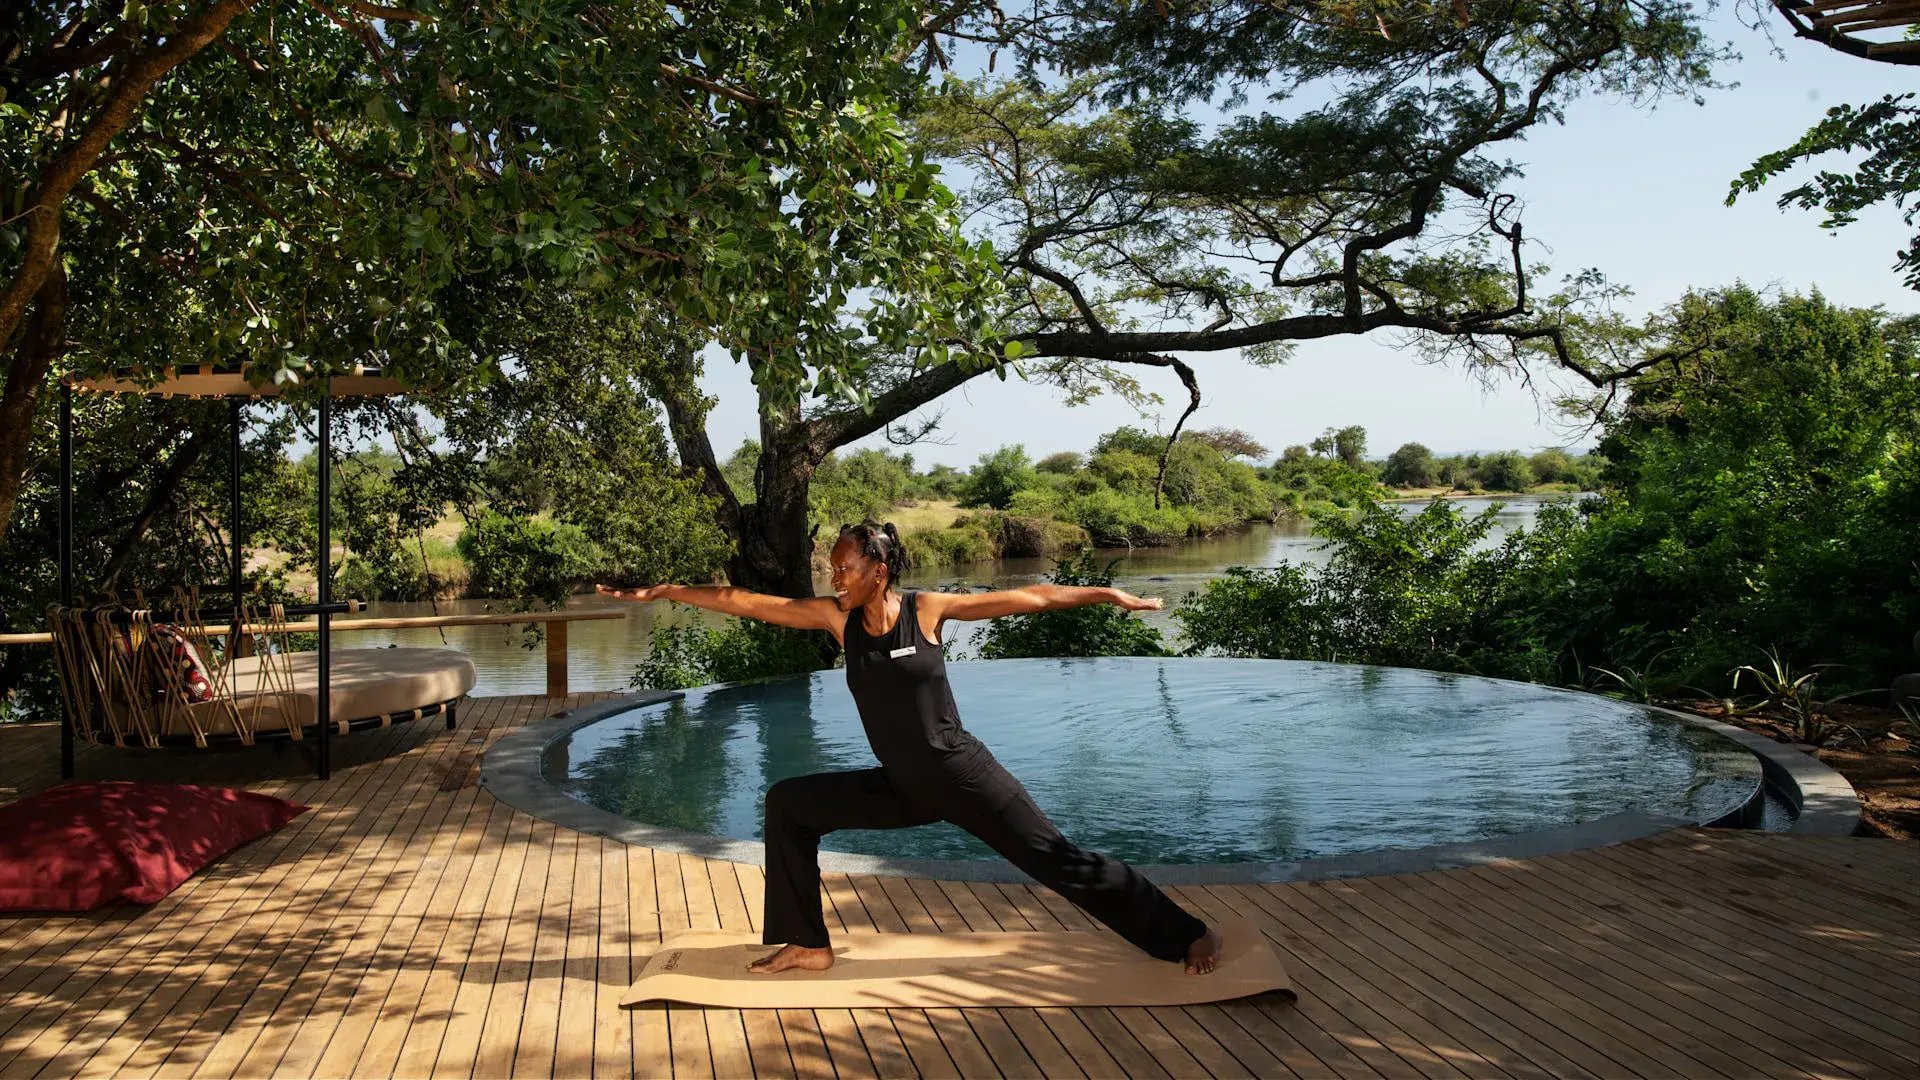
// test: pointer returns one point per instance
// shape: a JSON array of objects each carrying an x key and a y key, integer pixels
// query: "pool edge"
[{"x": 510, "y": 771}]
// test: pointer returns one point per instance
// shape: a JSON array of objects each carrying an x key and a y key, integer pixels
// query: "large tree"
[
  {"x": 1357, "y": 183},
  {"x": 297, "y": 185}
]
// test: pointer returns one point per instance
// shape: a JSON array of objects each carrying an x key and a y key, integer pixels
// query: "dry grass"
[{"x": 924, "y": 516}]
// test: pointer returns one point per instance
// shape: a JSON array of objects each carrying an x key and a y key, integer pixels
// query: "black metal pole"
[
  {"x": 325, "y": 563},
  {"x": 66, "y": 554},
  {"x": 234, "y": 645}
]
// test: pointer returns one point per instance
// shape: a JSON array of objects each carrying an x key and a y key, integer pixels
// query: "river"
[{"x": 601, "y": 654}]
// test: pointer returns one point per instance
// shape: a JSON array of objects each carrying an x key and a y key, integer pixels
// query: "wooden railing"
[{"x": 555, "y": 622}]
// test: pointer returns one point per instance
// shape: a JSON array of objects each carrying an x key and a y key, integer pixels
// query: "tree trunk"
[
  {"x": 775, "y": 547},
  {"x": 40, "y": 346},
  {"x": 772, "y": 551}
]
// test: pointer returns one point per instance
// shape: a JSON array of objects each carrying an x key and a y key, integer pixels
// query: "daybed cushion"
[
  {"x": 366, "y": 682},
  {"x": 77, "y": 846}
]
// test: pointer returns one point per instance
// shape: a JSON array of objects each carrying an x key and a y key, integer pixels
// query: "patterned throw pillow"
[{"x": 178, "y": 664}]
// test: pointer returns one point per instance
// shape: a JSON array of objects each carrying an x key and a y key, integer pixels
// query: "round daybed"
[{"x": 129, "y": 680}]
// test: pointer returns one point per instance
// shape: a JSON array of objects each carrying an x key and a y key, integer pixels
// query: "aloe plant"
[{"x": 1790, "y": 691}]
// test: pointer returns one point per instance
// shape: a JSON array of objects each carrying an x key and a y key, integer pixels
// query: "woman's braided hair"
[{"x": 881, "y": 543}]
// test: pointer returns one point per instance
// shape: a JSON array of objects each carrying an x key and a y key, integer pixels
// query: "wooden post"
[{"x": 557, "y": 659}]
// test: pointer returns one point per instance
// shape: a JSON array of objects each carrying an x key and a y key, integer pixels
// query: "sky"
[{"x": 1636, "y": 192}]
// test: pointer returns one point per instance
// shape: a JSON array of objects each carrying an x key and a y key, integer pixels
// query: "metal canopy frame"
[{"x": 234, "y": 385}]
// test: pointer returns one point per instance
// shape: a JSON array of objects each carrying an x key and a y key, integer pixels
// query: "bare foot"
[
  {"x": 793, "y": 956},
  {"x": 1204, "y": 954}
]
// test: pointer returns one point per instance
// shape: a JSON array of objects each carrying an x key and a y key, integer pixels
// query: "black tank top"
[{"x": 899, "y": 683}]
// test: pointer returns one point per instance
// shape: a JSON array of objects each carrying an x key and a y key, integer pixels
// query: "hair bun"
[{"x": 892, "y": 533}]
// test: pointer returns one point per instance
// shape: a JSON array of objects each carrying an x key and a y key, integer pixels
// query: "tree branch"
[
  {"x": 128, "y": 89},
  {"x": 164, "y": 489},
  {"x": 833, "y": 430},
  {"x": 1193, "y": 404}
]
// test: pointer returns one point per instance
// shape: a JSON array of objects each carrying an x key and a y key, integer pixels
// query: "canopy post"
[
  {"x": 66, "y": 555},
  {"x": 325, "y": 564},
  {"x": 236, "y": 643}
]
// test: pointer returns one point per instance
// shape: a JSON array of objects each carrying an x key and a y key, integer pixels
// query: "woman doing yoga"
[{"x": 931, "y": 768}]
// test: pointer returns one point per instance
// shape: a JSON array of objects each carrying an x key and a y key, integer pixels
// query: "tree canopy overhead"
[
  {"x": 297, "y": 185},
  {"x": 1355, "y": 181}
]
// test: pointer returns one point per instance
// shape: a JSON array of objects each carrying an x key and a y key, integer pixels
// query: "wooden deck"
[{"x": 411, "y": 925}]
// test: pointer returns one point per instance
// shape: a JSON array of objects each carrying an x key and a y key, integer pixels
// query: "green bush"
[
  {"x": 1018, "y": 537},
  {"x": 679, "y": 657},
  {"x": 1762, "y": 494},
  {"x": 525, "y": 558},
  {"x": 1413, "y": 591},
  {"x": 998, "y": 477},
  {"x": 1035, "y": 502},
  {"x": 1765, "y": 495},
  {"x": 1505, "y": 471},
  {"x": 1112, "y": 519},
  {"x": 948, "y": 547},
  {"x": 1095, "y": 630}
]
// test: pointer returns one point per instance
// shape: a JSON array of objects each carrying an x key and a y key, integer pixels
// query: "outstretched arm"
[
  {"x": 1029, "y": 599},
  {"x": 811, "y": 613}
]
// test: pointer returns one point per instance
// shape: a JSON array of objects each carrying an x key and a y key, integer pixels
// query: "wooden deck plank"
[
  {"x": 1696, "y": 984},
  {"x": 766, "y": 1043},
  {"x": 614, "y": 947},
  {"x": 647, "y": 1027},
  {"x": 209, "y": 920},
  {"x": 1809, "y": 932},
  {"x": 1321, "y": 951},
  {"x": 1751, "y": 941},
  {"x": 1372, "y": 1030},
  {"x": 358, "y": 980},
  {"x": 412, "y": 925},
  {"x": 1331, "y": 969},
  {"x": 409, "y": 1036},
  {"x": 1606, "y": 967},
  {"x": 372, "y": 1044},
  {"x": 499, "y": 1043},
  {"x": 272, "y": 996},
  {"x": 454, "y": 1052},
  {"x": 1465, "y": 966},
  {"x": 708, "y": 907},
  {"x": 82, "y": 980},
  {"x": 686, "y": 1025},
  {"x": 580, "y": 1016},
  {"x": 1651, "y": 1045}
]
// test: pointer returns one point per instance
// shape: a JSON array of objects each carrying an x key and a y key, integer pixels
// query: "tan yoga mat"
[{"x": 965, "y": 970}]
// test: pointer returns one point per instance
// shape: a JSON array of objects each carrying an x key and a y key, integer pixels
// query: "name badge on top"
[{"x": 900, "y": 652}]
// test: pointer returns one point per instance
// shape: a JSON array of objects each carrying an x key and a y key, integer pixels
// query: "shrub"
[
  {"x": 679, "y": 657},
  {"x": 523, "y": 557},
  {"x": 1410, "y": 591},
  {"x": 1018, "y": 537},
  {"x": 997, "y": 477},
  {"x": 952, "y": 546},
  {"x": 1095, "y": 630}
]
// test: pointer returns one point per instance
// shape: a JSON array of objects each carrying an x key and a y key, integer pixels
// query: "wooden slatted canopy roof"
[
  {"x": 1870, "y": 29},
  {"x": 233, "y": 382}
]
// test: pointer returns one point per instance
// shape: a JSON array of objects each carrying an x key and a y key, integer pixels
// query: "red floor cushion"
[{"x": 77, "y": 846}]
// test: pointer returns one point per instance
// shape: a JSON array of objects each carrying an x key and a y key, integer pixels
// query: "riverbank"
[{"x": 946, "y": 541}]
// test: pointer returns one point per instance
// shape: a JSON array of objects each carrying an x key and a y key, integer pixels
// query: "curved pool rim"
[{"x": 1824, "y": 804}]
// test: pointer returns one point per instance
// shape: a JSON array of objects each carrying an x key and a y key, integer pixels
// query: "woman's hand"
[
  {"x": 643, "y": 593},
  {"x": 1134, "y": 603}
]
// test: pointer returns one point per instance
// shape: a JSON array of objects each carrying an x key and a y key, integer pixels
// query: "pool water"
[{"x": 1185, "y": 760}]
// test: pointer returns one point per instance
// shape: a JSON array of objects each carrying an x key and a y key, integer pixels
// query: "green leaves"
[
  {"x": 510, "y": 141},
  {"x": 1888, "y": 131}
]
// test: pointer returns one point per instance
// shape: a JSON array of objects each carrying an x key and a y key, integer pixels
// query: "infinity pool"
[{"x": 1186, "y": 760}]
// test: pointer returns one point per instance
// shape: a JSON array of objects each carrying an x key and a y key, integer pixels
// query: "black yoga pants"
[{"x": 999, "y": 811}]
